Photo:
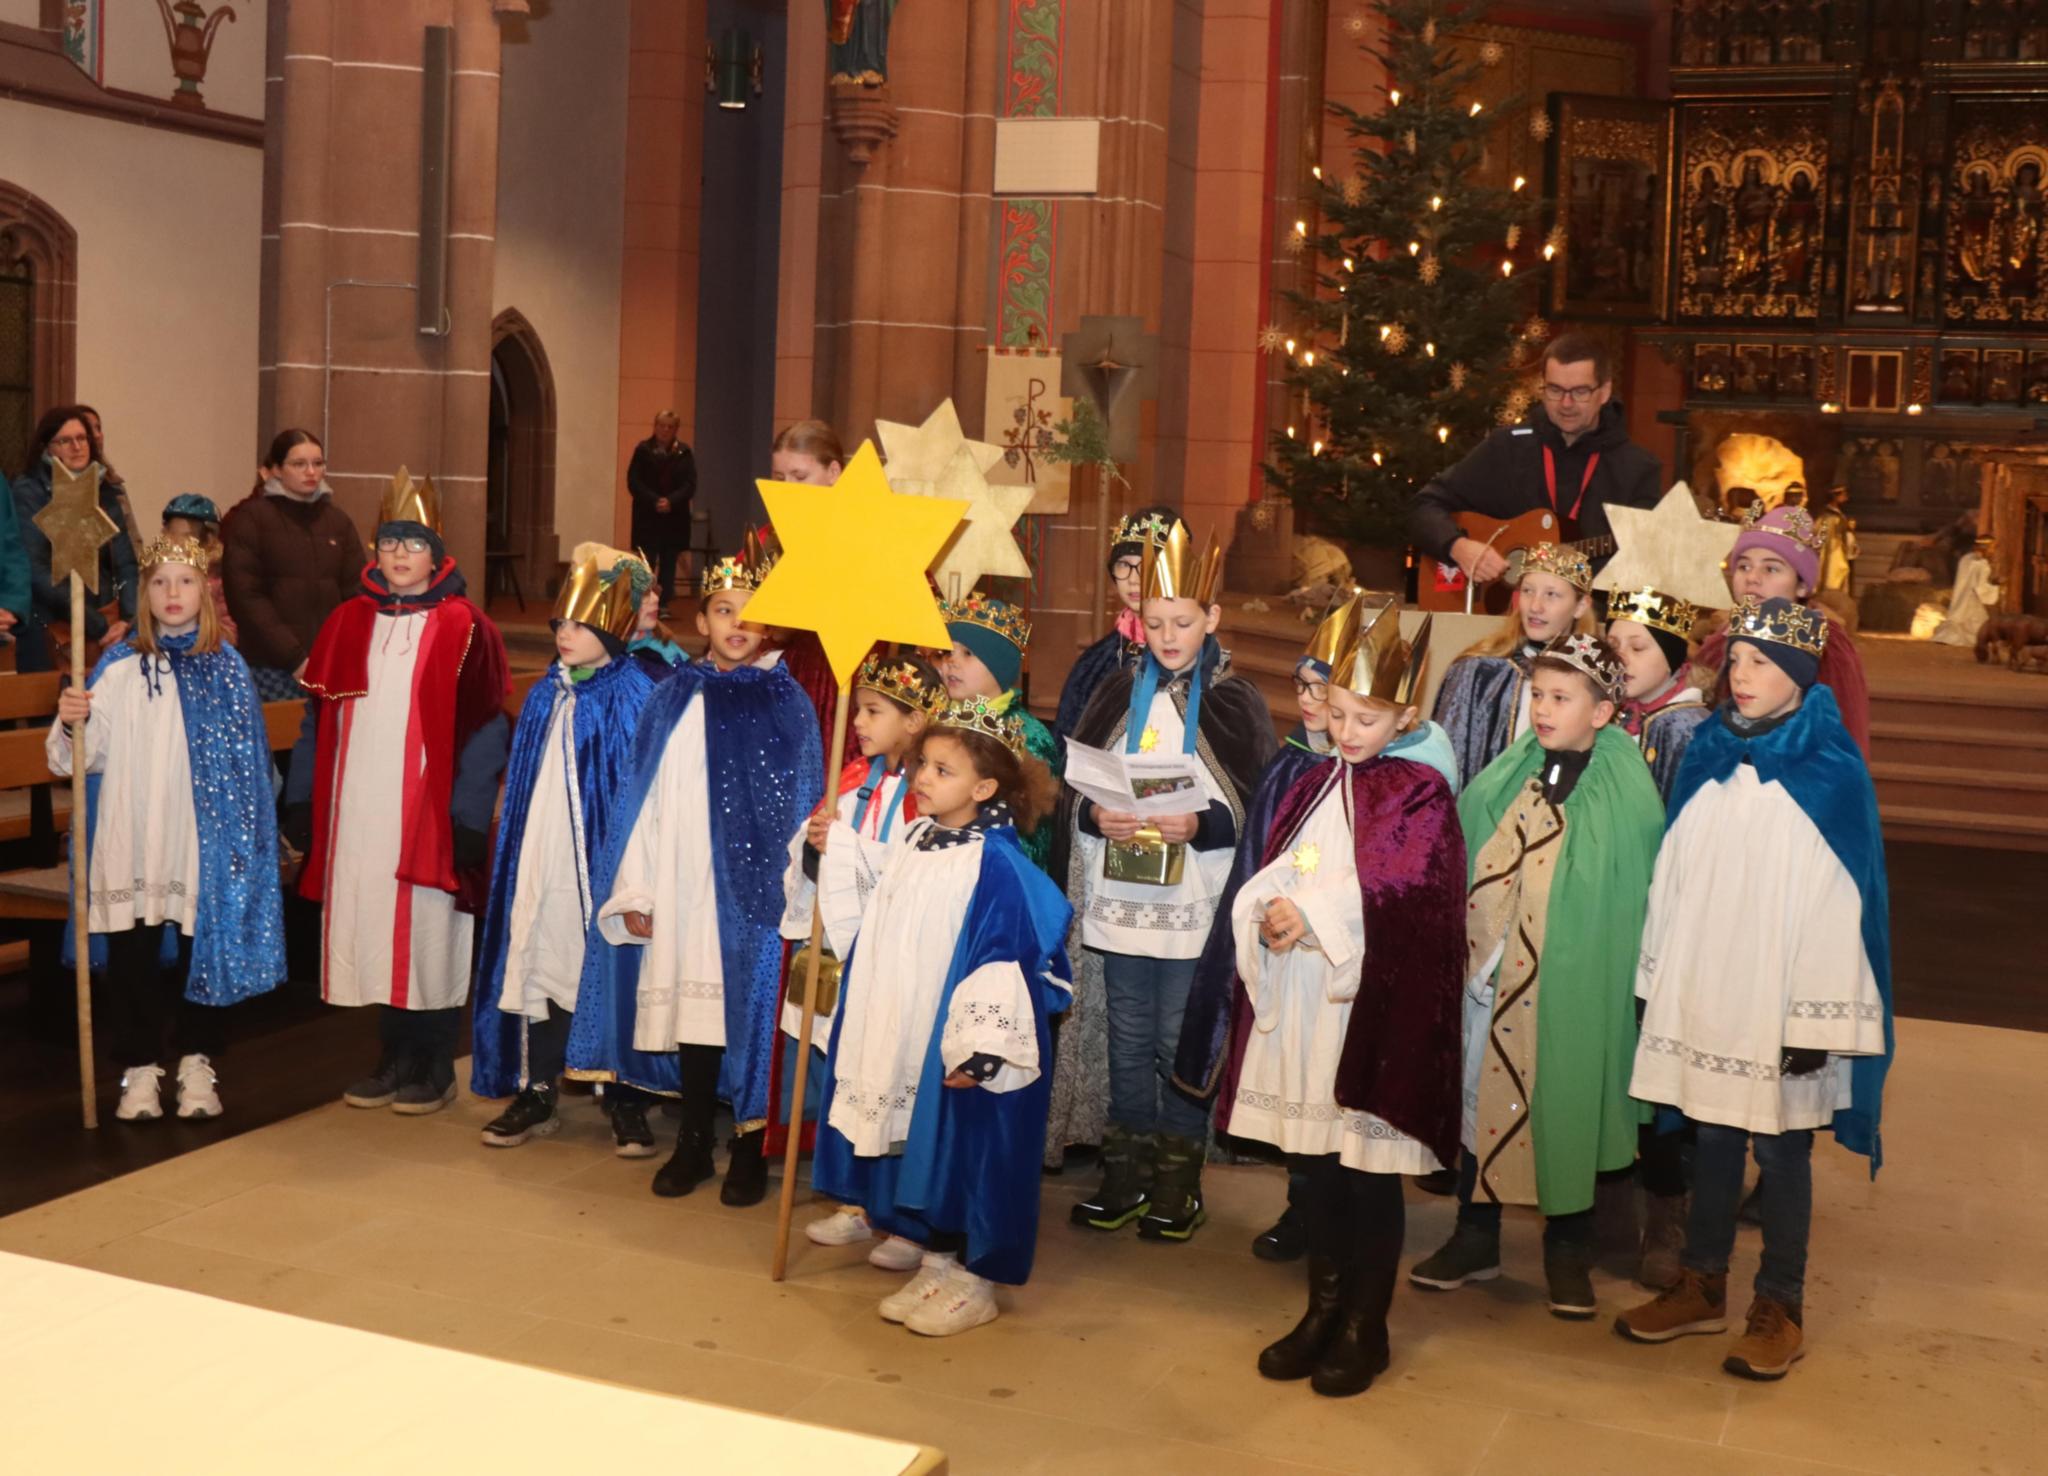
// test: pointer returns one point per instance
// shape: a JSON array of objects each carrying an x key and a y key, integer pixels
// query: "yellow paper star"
[
  {"x": 919, "y": 454},
  {"x": 75, "y": 524},
  {"x": 1670, "y": 548},
  {"x": 983, "y": 544},
  {"x": 1148, "y": 740},
  {"x": 1307, "y": 858},
  {"x": 853, "y": 563}
]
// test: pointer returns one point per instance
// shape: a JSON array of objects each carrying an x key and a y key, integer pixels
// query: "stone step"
[
  {"x": 1969, "y": 712},
  {"x": 1978, "y": 749},
  {"x": 1963, "y": 828},
  {"x": 1938, "y": 787}
]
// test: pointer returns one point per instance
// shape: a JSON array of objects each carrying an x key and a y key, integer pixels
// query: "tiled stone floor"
[{"x": 1928, "y": 1321}]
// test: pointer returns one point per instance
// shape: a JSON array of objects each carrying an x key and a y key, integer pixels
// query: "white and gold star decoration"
[
  {"x": 918, "y": 455},
  {"x": 985, "y": 545},
  {"x": 75, "y": 524},
  {"x": 1671, "y": 548}
]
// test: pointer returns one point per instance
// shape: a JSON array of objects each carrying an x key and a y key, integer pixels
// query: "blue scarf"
[
  {"x": 878, "y": 770},
  {"x": 1151, "y": 676},
  {"x": 1813, "y": 756},
  {"x": 238, "y": 933}
]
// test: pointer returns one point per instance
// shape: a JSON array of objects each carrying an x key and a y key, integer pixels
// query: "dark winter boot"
[
  {"x": 1358, "y": 1354},
  {"x": 1286, "y": 1241},
  {"x": 1126, "y": 1182},
  {"x": 1176, "y": 1211},
  {"x": 1568, "y": 1273},
  {"x": 690, "y": 1166},
  {"x": 1471, "y": 1254},
  {"x": 746, "y": 1176},
  {"x": 1296, "y": 1355},
  {"x": 1663, "y": 1241},
  {"x": 531, "y": 1114}
]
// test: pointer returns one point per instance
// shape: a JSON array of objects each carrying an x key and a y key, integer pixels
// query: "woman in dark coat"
[{"x": 64, "y": 436}]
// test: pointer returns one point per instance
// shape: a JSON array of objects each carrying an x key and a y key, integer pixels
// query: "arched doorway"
[
  {"x": 519, "y": 500},
  {"x": 38, "y": 316}
]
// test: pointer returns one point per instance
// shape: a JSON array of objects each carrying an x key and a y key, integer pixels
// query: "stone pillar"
[
  {"x": 806, "y": 141},
  {"x": 658, "y": 286},
  {"x": 343, "y": 353}
]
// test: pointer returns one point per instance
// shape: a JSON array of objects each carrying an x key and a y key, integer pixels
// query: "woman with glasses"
[
  {"x": 1126, "y": 639},
  {"x": 289, "y": 557},
  {"x": 64, "y": 437},
  {"x": 1572, "y": 455}
]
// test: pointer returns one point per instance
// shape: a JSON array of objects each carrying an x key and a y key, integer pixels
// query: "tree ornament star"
[
  {"x": 853, "y": 563},
  {"x": 1671, "y": 548},
  {"x": 919, "y": 454},
  {"x": 985, "y": 543},
  {"x": 75, "y": 523}
]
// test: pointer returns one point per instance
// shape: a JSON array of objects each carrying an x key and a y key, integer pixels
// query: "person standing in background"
[
  {"x": 64, "y": 436},
  {"x": 662, "y": 478}
]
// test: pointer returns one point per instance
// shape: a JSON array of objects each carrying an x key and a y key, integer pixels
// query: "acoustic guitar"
[{"x": 1443, "y": 586}]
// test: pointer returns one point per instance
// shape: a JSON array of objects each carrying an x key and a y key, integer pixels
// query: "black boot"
[
  {"x": 1286, "y": 1241},
  {"x": 746, "y": 1176},
  {"x": 690, "y": 1166},
  {"x": 1297, "y": 1355},
  {"x": 1126, "y": 1187},
  {"x": 1357, "y": 1353},
  {"x": 1175, "y": 1212}
]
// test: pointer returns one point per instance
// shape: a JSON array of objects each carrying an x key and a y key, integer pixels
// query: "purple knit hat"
[{"x": 1787, "y": 532}]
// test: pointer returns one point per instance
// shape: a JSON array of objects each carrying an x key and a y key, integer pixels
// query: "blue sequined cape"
[
  {"x": 764, "y": 774},
  {"x": 1813, "y": 755},
  {"x": 608, "y": 706},
  {"x": 238, "y": 929},
  {"x": 971, "y": 1162}
]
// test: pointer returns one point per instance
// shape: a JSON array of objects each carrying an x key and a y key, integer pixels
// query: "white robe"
[
  {"x": 1148, "y": 921},
  {"x": 385, "y": 945},
  {"x": 848, "y": 873},
  {"x": 145, "y": 843},
  {"x": 1302, "y": 999},
  {"x": 1753, "y": 945},
  {"x": 550, "y": 915},
  {"x": 1969, "y": 603},
  {"x": 907, "y": 938},
  {"x": 666, "y": 872}
]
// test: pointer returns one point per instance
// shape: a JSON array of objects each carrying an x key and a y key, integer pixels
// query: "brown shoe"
[
  {"x": 1663, "y": 1240},
  {"x": 1772, "y": 1343},
  {"x": 1698, "y": 1304}
]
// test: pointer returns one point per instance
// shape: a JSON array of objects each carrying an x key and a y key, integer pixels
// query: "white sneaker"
[
  {"x": 894, "y": 1253},
  {"x": 141, "y": 1094},
  {"x": 931, "y": 1276},
  {"x": 963, "y": 1301},
  {"x": 197, "y": 1096},
  {"x": 848, "y": 1226}
]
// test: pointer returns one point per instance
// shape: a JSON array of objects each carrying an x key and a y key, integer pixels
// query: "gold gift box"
[
  {"x": 1147, "y": 859},
  {"x": 799, "y": 977}
]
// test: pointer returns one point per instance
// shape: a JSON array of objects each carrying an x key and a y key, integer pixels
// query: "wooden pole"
[
  {"x": 792, "y": 1150},
  {"x": 81, "y": 936}
]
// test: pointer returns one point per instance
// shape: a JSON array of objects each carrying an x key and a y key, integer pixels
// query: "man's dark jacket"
[
  {"x": 652, "y": 474},
  {"x": 1503, "y": 478}
]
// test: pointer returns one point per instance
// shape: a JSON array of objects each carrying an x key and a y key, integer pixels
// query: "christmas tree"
[{"x": 1416, "y": 339}]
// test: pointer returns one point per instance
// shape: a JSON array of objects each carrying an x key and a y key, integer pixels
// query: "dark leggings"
[
  {"x": 698, "y": 1069},
  {"x": 427, "y": 1035},
  {"x": 144, "y": 996},
  {"x": 547, "y": 1046},
  {"x": 1560, "y": 1232},
  {"x": 1660, "y": 1160}
]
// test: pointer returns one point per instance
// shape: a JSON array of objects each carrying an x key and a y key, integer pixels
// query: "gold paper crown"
[
  {"x": 1173, "y": 571},
  {"x": 1373, "y": 658},
  {"x": 898, "y": 679},
  {"x": 1656, "y": 609},
  {"x": 1566, "y": 561},
  {"x": 743, "y": 570},
  {"x": 1794, "y": 524},
  {"x": 1131, "y": 528},
  {"x": 407, "y": 501},
  {"x": 989, "y": 716},
  {"x": 1000, "y": 616},
  {"x": 1587, "y": 654},
  {"x": 175, "y": 551},
  {"x": 602, "y": 590},
  {"x": 1323, "y": 646},
  {"x": 1780, "y": 623}
]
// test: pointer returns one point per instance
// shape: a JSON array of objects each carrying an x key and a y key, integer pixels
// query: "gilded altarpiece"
[{"x": 1752, "y": 211}]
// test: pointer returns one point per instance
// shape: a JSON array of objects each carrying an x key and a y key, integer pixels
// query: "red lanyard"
[{"x": 1550, "y": 482}]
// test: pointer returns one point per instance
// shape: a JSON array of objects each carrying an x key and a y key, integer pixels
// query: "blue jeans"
[
  {"x": 1148, "y": 997},
  {"x": 1718, "y": 1160}
]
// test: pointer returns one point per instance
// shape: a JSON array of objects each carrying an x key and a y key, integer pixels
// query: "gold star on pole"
[
  {"x": 919, "y": 454},
  {"x": 1671, "y": 548},
  {"x": 984, "y": 544},
  {"x": 75, "y": 524},
  {"x": 853, "y": 563}
]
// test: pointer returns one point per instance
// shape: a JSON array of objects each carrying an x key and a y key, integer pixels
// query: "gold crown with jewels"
[
  {"x": 1131, "y": 528},
  {"x": 602, "y": 590},
  {"x": 1000, "y": 616},
  {"x": 1656, "y": 609},
  {"x": 1781, "y": 623},
  {"x": 1373, "y": 658},
  {"x": 899, "y": 679},
  {"x": 744, "y": 570},
  {"x": 1587, "y": 654},
  {"x": 1174, "y": 571},
  {"x": 1795, "y": 524},
  {"x": 992, "y": 717},
  {"x": 175, "y": 551},
  {"x": 1564, "y": 561}
]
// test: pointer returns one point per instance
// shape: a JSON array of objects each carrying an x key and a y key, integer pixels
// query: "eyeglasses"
[
  {"x": 1314, "y": 691},
  {"x": 1578, "y": 394},
  {"x": 1126, "y": 568},
  {"x": 410, "y": 545},
  {"x": 71, "y": 440}
]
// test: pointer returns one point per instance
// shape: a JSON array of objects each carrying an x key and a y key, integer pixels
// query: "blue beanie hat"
[{"x": 1004, "y": 661}]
